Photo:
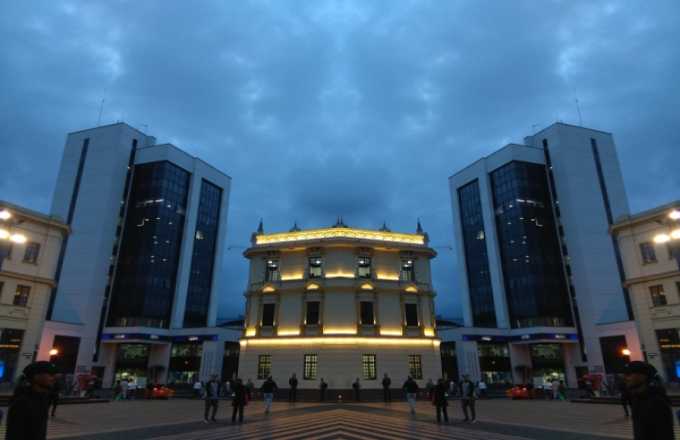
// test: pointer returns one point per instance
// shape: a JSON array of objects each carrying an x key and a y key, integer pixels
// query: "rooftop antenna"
[
  {"x": 578, "y": 109},
  {"x": 101, "y": 109}
]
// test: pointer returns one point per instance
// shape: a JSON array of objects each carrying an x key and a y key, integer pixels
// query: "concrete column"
[
  {"x": 159, "y": 355},
  {"x": 211, "y": 360},
  {"x": 468, "y": 359},
  {"x": 519, "y": 356}
]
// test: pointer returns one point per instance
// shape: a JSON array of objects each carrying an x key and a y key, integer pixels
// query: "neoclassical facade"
[{"x": 339, "y": 303}]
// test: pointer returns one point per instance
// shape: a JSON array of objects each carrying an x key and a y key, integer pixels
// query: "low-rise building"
[
  {"x": 649, "y": 243},
  {"x": 339, "y": 304},
  {"x": 29, "y": 254}
]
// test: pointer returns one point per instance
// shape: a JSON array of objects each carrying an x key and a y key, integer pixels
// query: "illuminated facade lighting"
[
  {"x": 388, "y": 276},
  {"x": 320, "y": 234},
  {"x": 367, "y": 286},
  {"x": 268, "y": 289},
  {"x": 675, "y": 234},
  {"x": 429, "y": 332},
  {"x": 5, "y": 214},
  {"x": 674, "y": 215},
  {"x": 251, "y": 332},
  {"x": 662, "y": 238},
  {"x": 18, "y": 238},
  {"x": 339, "y": 274},
  {"x": 375, "y": 341},
  {"x": 339, "y": 331},
  {"x": 288, "y": 332},
  {"x": 292, "y": 276},
  {"x": 412, "y": 289},
  {"x": 391, "y": 332},
  {"x": 313, "y": 286},
  {"x": 4, "y": 234}
]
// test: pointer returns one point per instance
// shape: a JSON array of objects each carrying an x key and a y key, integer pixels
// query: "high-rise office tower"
[
  {"x": 137, "y": 278},
  {"x": 541, "y": 278}
]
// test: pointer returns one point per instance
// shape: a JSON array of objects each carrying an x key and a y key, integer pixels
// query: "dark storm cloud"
[{"x": 353, "y": 108}]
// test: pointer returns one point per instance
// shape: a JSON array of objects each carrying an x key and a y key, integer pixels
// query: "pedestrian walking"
[
  {"x": 562, "y": 391},
  {"x": 357, "y": 390},
  {"x": 268, "y": 388},
  {"x": 212, "y": 398},
  {"x": 429, "y": 387},
  {"x": 198, "y": 389},
  {"x": 624, "y": 395},
  {"x": 467, "y": 396},
  {"x": 651, "y": 407},
  {"x": 387, "y": 393},
  {"x": 124, "y": 388},
  {"x": 555, "y": 388},
  {"x": 481, "y": 387},
  {"x": 117, "y": 391},
  {"x": 28, "y": 408},
  {"x": 239, "y": 400},
  {"x": 293, "y": 383},
  {"x": 55, "y": 393},
  {"x": 410, "y": 388},
  {"x": 440, "y": 400},
  {"x": 322, "y": 390}
]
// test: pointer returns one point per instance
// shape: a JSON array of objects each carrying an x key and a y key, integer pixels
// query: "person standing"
[
  {"x": 555, "y": 388},
  {"x": 124, "y": 388},
  {"x": 28, "y": 407},
  {"x": 467, "y": 396},
  {"x": 212, "y": 398},
  {"x": 322, "y": 389},
  {"x": 239, "y": 400},
  {"x": 268, "y": 389},
  {"x": 651, "y": 407},
  {"x": 357, "y": 390},
  {"x": 440, "y": 400},
  {"x": 429, "y": 388},
  {"x": 387, "y": 393},
  {"x": 411, "y": 390},
  {"x": 198, "y": 389},
  {"x": 293, "y": 383},
  {"x": 562, "y": 391}
]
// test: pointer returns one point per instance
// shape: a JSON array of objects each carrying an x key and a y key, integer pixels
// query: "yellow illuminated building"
[{"x": 340, "y": 303}]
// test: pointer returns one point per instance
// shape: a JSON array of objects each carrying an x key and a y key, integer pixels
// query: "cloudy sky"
[{"x": 326, "y": 108}]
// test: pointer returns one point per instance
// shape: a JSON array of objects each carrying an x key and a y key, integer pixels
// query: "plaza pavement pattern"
[{"x": 182, "y": 419}]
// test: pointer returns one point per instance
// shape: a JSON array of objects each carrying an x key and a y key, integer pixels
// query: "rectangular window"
[
  {"x": 364, "y": 267},
  {"x": 21, "y": 295},
  {"x": 268, "y": 314},
  {"x": 367, "y": 317},
  {"x": 407, "y": 273},
  {"x": 647, "y": 252},
  {"x": 415, "y": 366},
  {"x": 411, "y": 315},
  {"x": 311, "y": 363},
  {"x": 32, "y": 252},
  {"x": 368, "y": 366},
  {"x": 315, "y": 267},
  {"x": 272, "y": 273},
  {"x": 264, "y": 366},
  {"x": 312, "y": 316},
  {"x": 658, "y": 295}
]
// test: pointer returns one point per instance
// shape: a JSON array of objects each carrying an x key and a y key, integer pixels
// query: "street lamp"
[
  {"x": 5, "y": 214},
  {"x": 54, "y": 352},
  {"x": 625, "y": 352},
  {"x": 672, "y": 237},
  {"x": 7, "y": 237}
]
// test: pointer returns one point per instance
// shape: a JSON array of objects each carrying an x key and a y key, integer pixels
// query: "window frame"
[
  {"x": 318, "y": 313},
  {"x": 272, "y": 275},
  {"x": 648, "y": 253},
  {"x": 312, "y": 264},
  {"x": 658, "y": 296},
  {"x": 361, "y": 312},
  {"x": 415, "y": 366},
  {"x": 31, "y": 252},
  {"x": 264, "y": 307},
  {"x": 310, "y": 366},
  {"x": 369, "y": 367},
  {"x": 264, "y": 366},
  {"x": 406, "y": 320},
  {"x": 407, "y": 271},
  {"x": 22, "y": 295},
  {"x": 364, "y": 262}
]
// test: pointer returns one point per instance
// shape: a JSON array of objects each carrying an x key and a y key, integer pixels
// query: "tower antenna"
[
  {"x": 101, "y": 109},
  {"x": 578, "y": 109}
]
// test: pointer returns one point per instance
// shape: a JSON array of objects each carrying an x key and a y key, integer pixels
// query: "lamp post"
[
  {"x": 7, "y": 237},
  {"x": 672, "y": 237}
]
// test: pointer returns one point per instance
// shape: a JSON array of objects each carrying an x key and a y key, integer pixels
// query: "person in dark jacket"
[
  {"x": 28, "y": 409},
  {"x": 292, "y": 394},
  {"x": 268, "y": 388},
  {"x": 652, "y": 414},
  {"x": 55, "y": 393},
  {"x": 212, "y": 397},
  {"x": 357, "y": 390},
  {"x": 239, "y": 400},
  {"x": 410, "y": 388},
  {"x": 624, "y": 395},
  {"x": 440, "y": 400},
  {"x": 387, "y": 394},
  {"x": 467, "y": 398},
  {"x": 322, "y": 389}
]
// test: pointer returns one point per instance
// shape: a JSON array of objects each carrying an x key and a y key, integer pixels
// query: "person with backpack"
[
  {"x": 268, "y": 388},
  {"x": 410, "y": 388},
  {"x": 239, "y": 400},
  {"x": 440, "y": 400}
]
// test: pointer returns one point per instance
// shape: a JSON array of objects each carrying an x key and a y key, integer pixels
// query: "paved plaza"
[{"x": 182, "y": 419}]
